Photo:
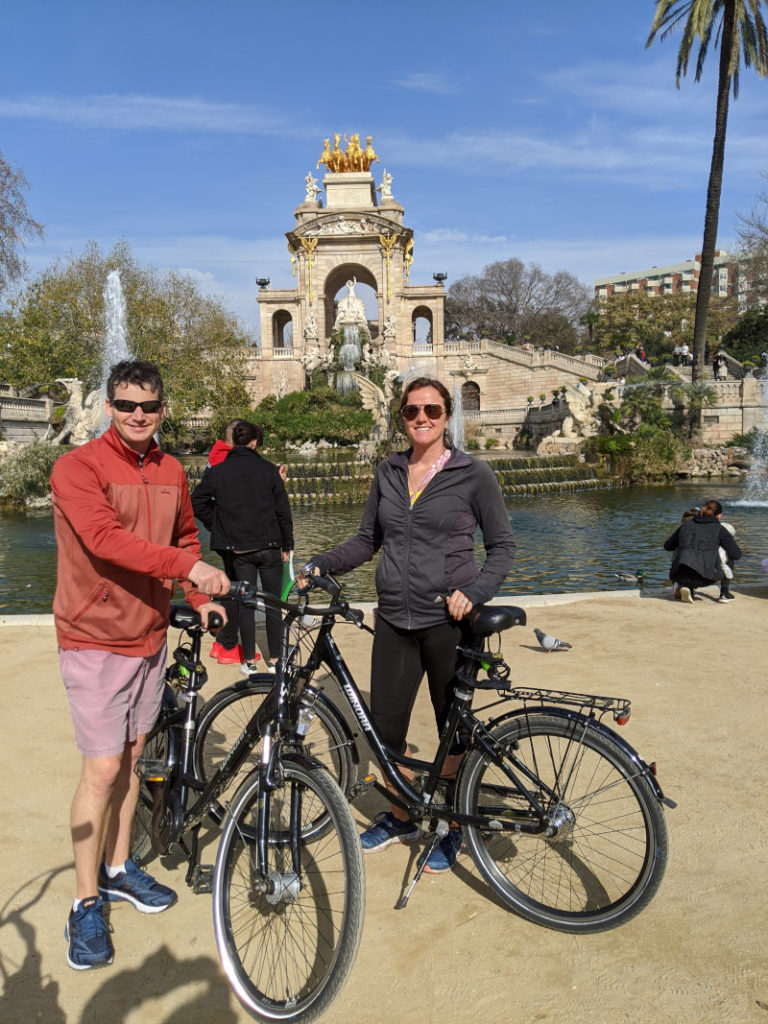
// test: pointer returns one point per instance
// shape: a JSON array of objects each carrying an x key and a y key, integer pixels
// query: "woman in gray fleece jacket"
[{"x": 422, "y": 512}]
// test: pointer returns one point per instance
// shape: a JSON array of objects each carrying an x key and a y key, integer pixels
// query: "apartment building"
[{"x": 729, "y": 279}]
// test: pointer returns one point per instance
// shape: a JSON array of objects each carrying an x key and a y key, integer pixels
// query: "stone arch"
[
  {"x": 282, "y": 330},
  {"x": 470, "y": 396},
  {"x": 337, "y": 278},
  {"x": 423, "y": 333}
]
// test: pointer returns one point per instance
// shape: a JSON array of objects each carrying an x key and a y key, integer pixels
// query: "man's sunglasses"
[
  {"x": 432, "y": 412},
  {"x": 125, "y": 405}
]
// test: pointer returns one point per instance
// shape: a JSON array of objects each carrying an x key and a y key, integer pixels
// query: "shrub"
[
  {"x": 25, "y": 473},
  {"x": 491, "y": 442}
]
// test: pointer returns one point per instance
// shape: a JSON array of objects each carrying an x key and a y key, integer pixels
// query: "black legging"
[
  {"x": 399, "y": 659},
  {"x": 267, "y": 563}
]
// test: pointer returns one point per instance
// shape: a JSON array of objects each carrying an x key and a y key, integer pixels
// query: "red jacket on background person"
[
  {"x": 218, "y": 452},
  {"x": 125, "y": 531}
]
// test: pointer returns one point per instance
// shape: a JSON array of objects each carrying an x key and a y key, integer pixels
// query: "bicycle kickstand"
[{"x": 403, "y": 901}]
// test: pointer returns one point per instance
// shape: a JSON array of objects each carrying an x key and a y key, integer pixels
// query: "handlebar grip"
[{"x": 215, "y": 622}]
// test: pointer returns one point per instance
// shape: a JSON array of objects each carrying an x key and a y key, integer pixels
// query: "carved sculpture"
[
  {"x": 312, "y": 191},
  {"x": 352, "y": 159},
  {"x": 351, "y": 308},
  {"x": 82, "y": 417},
  {"x": 386, "y": 185}
]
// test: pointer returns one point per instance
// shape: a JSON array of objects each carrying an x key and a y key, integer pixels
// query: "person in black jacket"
[
  {"x": 696, "y": 544},
  {"x": 244, "y": 504},
  {"x": 422, "y": 511}
]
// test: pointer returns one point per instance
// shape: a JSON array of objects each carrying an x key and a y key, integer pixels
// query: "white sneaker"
[
  {"x": 685, "y": 595},
  {"x": 250, "y": 668}
]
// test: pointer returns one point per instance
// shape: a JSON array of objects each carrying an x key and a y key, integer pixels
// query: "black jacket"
[
  {"x": 244, "y": 504},
  {"x": 695, "y": 543},
  {"x": 428, "y": 551}
]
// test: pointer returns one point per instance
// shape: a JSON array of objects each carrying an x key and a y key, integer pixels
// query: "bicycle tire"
[
  {"x": 155, "y": 749},
  {"x": 224, "y": 717},
  {"x": 605, "y": 864},
  {"x": 288, "y": 959}
]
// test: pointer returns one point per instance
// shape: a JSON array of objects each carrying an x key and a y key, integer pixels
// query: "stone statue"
[
  {"x": 351, "y": 308},
  {"x": 82, "y": 417},
  {"x": 282, "y": 385},
  {"x": 312, "y": 191},
  {"x": 375, "y": 401},
  {"x": 310, "y": 328},
  {"x": 386, "y": 185},
  {"x": 389, "y": 331}
]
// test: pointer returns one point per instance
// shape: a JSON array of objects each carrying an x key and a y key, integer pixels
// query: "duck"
[{"x": 630, "y": 577}]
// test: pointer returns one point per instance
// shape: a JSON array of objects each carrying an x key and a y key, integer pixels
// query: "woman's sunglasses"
[
  {"x": 432, "y": 412},
  {"x": 125, "y": 405}
]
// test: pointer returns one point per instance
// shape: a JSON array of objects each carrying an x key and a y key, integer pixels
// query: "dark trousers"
[
  {"x": 227, "y": 635},
  {"x": 399, "y": 659},
  {"x": 265, "y": 569}
]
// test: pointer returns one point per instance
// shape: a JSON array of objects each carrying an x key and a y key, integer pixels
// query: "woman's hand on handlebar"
[{"x": 302, "y": 576}]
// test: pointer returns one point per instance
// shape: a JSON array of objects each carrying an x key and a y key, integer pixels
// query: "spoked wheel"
[
  {"x": 225, "y": 716},
  {"x": 155, "y": 749},
  {"x": 287, "y": 942},
  {"x": 603, "y": 854}
]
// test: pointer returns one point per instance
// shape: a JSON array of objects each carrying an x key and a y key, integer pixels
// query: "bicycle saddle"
[
  {"x": 183, "y": 616},
  {"x": 486, "y": 619}
]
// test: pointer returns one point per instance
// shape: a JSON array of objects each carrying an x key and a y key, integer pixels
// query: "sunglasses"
[
  {"x": 125, "y": 405},
  {"x": 432, "y": 412}
]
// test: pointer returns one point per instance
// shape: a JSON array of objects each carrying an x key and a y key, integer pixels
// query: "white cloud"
[
  {"x": 428, "y": 81},
  {"x": 147, "y": 113}
]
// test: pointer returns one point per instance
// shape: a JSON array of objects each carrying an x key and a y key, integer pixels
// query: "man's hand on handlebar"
[
  {"x": 304, "y": 574},
  {"x": 208, "y": 579},
  {"x": 205, "y": 611}
]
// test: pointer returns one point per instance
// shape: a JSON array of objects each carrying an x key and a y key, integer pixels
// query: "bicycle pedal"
[
  {"x": 202, "y": 879},
  {"x": 360, "y": 787},
  {"x": 152, "y": 771}
]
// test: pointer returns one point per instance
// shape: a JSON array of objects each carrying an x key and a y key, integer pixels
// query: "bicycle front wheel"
[
  {"x": 603, "y": 855},
  {"x": 287, "y": 946},
  {"x": 227, "y": 713},
  {"x": 155, "y": 750}
]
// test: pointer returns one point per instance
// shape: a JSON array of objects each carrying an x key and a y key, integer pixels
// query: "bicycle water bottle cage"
[{"x": 487, "y": 619}]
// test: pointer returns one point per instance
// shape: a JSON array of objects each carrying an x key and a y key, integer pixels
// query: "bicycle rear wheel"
[
  {"x": 224, "y": 717},
  {"x": 608, "y": 851},
  {"x": 287, "y": 952}
]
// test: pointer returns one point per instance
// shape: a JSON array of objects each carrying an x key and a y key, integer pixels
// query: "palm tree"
[
  {"x": 696, "y": 396},
  {"x": 741, "y": 34}
]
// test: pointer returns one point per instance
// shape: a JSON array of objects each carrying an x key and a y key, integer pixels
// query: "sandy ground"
[{"x": 697, "y": 678}]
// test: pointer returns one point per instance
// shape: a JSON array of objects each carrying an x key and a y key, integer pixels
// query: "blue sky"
[{"x": 545, "y": 132}]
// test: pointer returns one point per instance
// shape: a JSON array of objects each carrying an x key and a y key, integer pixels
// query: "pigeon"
[
  {"x": 551, "y": 643},
  {"x": 630, "y": 577}
]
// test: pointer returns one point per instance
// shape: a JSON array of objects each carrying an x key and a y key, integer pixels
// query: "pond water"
[{"x": 574, "y": 541}]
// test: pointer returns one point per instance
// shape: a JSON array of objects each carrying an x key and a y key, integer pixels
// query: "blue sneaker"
[
  {"x": 87, "y": 933},
  {"x": 444, "y": 855},
  {"x": 139, "y": 888},
  {"x": 388, "y": 829}
]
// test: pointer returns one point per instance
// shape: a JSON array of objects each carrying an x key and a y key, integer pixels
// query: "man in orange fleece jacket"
[{"x": 125, "y": 531}]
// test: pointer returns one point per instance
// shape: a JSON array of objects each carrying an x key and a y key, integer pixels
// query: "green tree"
[
  {"x": 321, "y": 413},
  {"x": 55, "y": 328},
  {"x": 695, "y": 396},
  {"x": 740, "y": 30},
  {"x": 16, "y": 225},
  {"x": 748, "y": 339}
]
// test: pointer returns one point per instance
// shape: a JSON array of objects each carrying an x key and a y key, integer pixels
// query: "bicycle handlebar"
[{"x": 249, "y": 595}]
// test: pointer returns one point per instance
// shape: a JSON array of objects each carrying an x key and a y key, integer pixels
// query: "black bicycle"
[
  {"x": 192, "y": 740},
  {"x": 561, "y": 816}
]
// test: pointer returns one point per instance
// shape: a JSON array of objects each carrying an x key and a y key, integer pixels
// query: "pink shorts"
[{"x": 112, "y": 698}]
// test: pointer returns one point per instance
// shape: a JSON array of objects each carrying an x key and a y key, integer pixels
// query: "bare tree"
[
  {"x": 510, "y": 300},
  {"x": 16, "y": 225},
  {"x": 753, "y": 235}
]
